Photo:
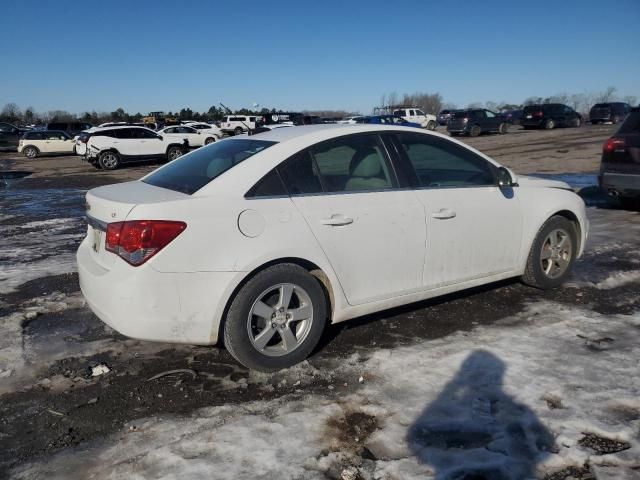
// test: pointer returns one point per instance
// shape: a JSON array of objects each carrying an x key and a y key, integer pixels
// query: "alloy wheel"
[
  {"x": 556, "y": 253},
  {"x": 280, "y": 319}
]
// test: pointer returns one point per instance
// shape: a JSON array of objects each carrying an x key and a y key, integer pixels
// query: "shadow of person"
[{"x": 475, "y": 431}]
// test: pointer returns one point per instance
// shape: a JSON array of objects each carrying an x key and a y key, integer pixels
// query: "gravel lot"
[{"x": 564, "y": 360}]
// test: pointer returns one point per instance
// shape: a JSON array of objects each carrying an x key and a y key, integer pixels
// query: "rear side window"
[
  {"x": 440, "y": 163},
  {"x": 269, "y": 186},
  {"x": 352, "y": 163},
  {"x": 190, "y": 173},
  {"x": 461, "y": 115},
  {"x": 631, "y": 124},
  {"x": 300, "y": 174},
  {"x": 34, "y": 136}
]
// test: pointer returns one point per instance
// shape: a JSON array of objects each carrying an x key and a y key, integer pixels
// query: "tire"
[
  {"x": 30, "y": 152},
  {"x": 431, "y": 125},
  {"x": 551, "y": 272},
  {"x": 503, "y": 128},
  {"x": 173, "y": 153},
  {"x": 209, "y": 140},
  {"x": 615, "y": 119},
  {"x": 629, "y": 203},
  {"x": 454, "y": 134},
  {"x": 475, "y": 131},
  {"x": 238, "y": 131},
  {"x": 242, "y": 327},
  {"x": 109, "y": 160},
  {"x": 577, "y": 123},
  {"x": 549, "y": 124}
]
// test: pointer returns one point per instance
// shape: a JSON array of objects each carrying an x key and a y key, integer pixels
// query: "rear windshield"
[
  {"x": 190, "y": 173},
  {"x": 532, "y": 108},
  {"x": 602, "y": 105},
  {"x": 461, "y": 114},
  {"x": 631, "y": 124}
]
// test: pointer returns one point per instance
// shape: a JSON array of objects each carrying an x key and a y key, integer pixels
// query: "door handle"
[
  {"x": 337, "y": 220},
  {"x": 443, "y": 214}
]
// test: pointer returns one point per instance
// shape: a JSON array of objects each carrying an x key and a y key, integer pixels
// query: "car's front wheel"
[
  {"x": 238, "y": 131},
  {"x": 549, "y": 124},
  {"x": 475, "y": 131},
  {"x": 552, "y": 254},
  {"x": 109, "y": 160},
  {"x": 431, "y": 125},
  {"x": 503, "y": 128},
  {"x": 209, "y": 140},
  {"x": 276, "y": 319}
]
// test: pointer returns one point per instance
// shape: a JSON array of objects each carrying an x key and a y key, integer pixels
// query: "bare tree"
[
  {"x": 10, "y": 113},
  {"x": 631, "y": 99},
  {"x": 607, "y": 96}
]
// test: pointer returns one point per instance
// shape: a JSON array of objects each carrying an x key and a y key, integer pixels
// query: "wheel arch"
[
  {"x": 309, "y": 266},
  {"x": 573, "y": 218},
  {"x": 30, "y": 145}
]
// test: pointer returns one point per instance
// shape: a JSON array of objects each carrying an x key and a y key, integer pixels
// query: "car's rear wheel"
[
  {"x": 109, "y": 160},
  {"x": 576, "y": 122},
  {"x": 503, "y": 128},
  {"x": 475, "y": 131},
  {"x": 238, "y": 131},
  {"x": 209, "y": 140},
  {"x": 173, "y": 153},
  {"x": 431, "y": 125},
  {"x": 549, "y": 124},
  {"x": 552, "y": 254},
  {"x": 30, "y": 152},
  {"x": 276, "y": 319},
  {"x": 615, "y": 119}
]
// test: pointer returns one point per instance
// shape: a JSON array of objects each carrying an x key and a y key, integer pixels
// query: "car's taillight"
[
  {"x": 538, "y": 114},
  {"x": 136, "y": 241},
  {"x": 613, "y": 144}
]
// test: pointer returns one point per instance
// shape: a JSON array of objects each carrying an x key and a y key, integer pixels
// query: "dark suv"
[
  {"x": 550, "y": 115},
  {"x": 620, "y": 165},
  {"x": 72, "y": 128},
  {"x": 608, "y": 112},
  {"x": 10, "y": 136},
  {"x": 476, "y": 121}
]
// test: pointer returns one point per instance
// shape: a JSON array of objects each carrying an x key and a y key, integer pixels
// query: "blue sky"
[{"x": 166, "y": 55}]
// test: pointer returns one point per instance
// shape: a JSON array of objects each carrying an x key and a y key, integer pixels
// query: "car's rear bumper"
[
  {"x": 624, "y": 184},
  {"x": 528, "y": 122},
  {"x": 142, "y": 303}
]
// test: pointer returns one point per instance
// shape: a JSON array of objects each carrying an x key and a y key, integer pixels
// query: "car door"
[
  {"x": 148, "y": 143},
  {"x": 193, "y": 136},
  {"x": 56, "y": 142},
  {"x": 372, "y": 232},
  {"x": 126, "y": 142},
  {"x": 9, "y": 135},
  {"x": 474, "y": 228},
  {"x": 492, "y": 120}
]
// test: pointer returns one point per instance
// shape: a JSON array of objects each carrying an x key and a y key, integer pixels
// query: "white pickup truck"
[{"x": 415, "y": 115}]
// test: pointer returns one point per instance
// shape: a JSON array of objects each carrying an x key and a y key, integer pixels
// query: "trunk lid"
[{"x": 113, "y": 203}]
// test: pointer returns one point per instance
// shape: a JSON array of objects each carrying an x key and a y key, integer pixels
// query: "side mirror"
[
  {"x": 505, "y": 180},
  {"x": 159, "y": 137}
]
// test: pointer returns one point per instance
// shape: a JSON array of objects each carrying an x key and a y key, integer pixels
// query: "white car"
[
  {"x": 350, "y": 120},
  {"x": 415, "y": 115},
  {"x": 109, "y": 147},
  {"x": 207, "y": 128},
  {"x": 195, "y": 137},
  {"x": 44, "y": 142},
  {"x": 263, "y": 240},
  {"x": 238, "y": 124}
]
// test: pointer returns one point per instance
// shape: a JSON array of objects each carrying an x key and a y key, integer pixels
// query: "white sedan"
[
  {"x": 263, "y": 240},
  {"x": 196, "y": 138},
  {"x": 206, "y": 128},
  {"x": 43, "y": 142}
]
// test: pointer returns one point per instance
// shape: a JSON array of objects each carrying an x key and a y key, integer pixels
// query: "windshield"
[{"x": 190, "y": 173}]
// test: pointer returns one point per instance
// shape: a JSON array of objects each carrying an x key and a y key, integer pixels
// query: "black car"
[
  {"x": 444, "y": 116},
  {"x": 549, "y": 115},
  {"x": 475, "y": 121},
  {"x": 72, "y": 128},
  {"x": 10, "y": 136},
  {"x": 609, "y": 112},
  {"x": 512, "y": 116},
  {"x": 620, "y": 164}
]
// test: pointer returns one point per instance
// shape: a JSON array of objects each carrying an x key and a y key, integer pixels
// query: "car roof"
[{"x": 115, "y": 127}]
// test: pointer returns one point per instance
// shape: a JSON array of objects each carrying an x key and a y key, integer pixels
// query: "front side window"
[
  {"x": 489, "y": 114},
  {"x": 440, "y": 163},
  {"x": 142, "y": 133},
  {"x": 420, "y": 112},
  {"x": 171, "y": 130},
  {"x": 352, "y": 163},
  {"x": 55, "y": 136},
  {"x": 191, "y": 172}
]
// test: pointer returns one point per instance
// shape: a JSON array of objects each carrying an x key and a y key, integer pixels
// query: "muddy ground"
[{"x": 54, "y": 402}]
